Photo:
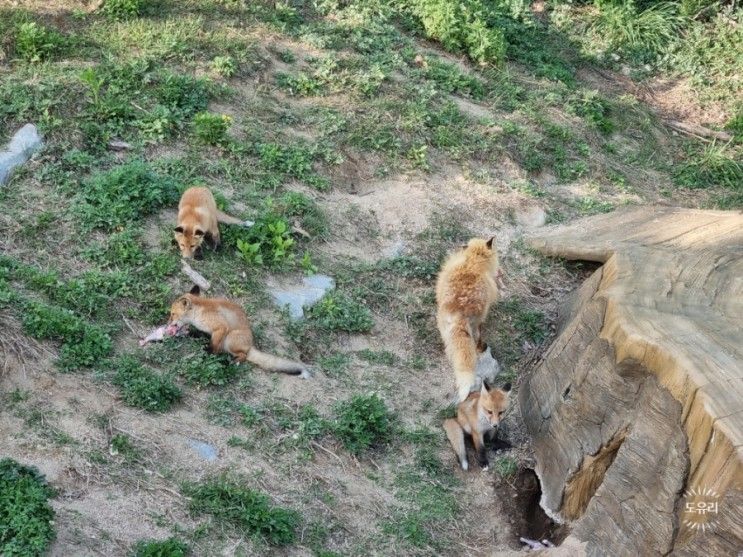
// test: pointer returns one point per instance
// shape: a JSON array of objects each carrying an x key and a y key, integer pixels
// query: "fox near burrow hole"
[
  {"x": 198, "y": 219},
  {"x": 465, "y": 289},
  {"x": 478, "y": 415},
  {"x": 229, "y": 328}
]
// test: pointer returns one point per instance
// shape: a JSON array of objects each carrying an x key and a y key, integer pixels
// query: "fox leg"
[
  {"x": 481, "y": 346},
  {"x": 456, "y": 437},
  {"x": 218, "y": 337},
  {"x": 482, "y": 453}
]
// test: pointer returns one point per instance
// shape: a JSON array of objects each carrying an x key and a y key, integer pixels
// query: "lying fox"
[
  {"x": 477, "y": 416},
  {"x": 465, "y": 289},
  {"x": 229, "y": 328},
  {"x": 197, "y": 220}
]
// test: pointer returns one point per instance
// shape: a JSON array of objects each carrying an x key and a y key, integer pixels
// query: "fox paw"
[
  {"x": 465, "y": 465},
  {"x": 306, "y": 373}
]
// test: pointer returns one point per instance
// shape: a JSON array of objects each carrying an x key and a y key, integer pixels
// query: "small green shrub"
[
  {"x": 207, "y": 370},
  {"x": 246, "y": 509},
  {"x": 119, "y": 10},
  {"x": 142, "y": 387},
  {"x": 211, "y": 128},
  {"x": 637, "y": 32},
  {"x": 122, "y": 445},
  {"x": 594, "y": 108},
  {"x": 363, "y": 422},
  {"x": 338, "y": 312},
  {"x": 26, "y": 518},
  {"x": 172, "y": 547},
  {"x": 713, "y": 166},
  {"x": 115, "y": 198},
  {"x": 381, "y": 357},
  {"x": 505, "y": 466},
  {"x": 462, "y": 27},
  {"x": 83, "y": 344},
  {"x": 224, "y": 65},
  {"x": 36, "y": 43}
]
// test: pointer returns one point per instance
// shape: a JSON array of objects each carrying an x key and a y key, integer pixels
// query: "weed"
[
  {"x": 530, "y": 323},
  {"x": 336, "y": 364},
  {"x": 206, "y": 370},
  {"x": 505, "y": 466},
  {"x": 461, "y": 27},
  {"x": 121, "y": 9},
  {"x": 122, "y": 445},
  {"x": 83, "y": 344},
  {"x": 142, "y": 387},
  {"x": 382, "y": 357},
  {"x": 363, "y": 422},
  {"x": 172, "y": 547},
  {"x": 244, "y": 508},
  {"x": 115, "y": 198},
  {"x": 224, "y": 65},
  {"x": 451, "y": 80},
  {"x": 35, "y": 43},
  {"x": 211, "y": 128},
  {"x": 715, "y": 165},
  {"x": 26, "y": 518},
  {"x": 338, "y": 312},
  {"x": 596, "y": 110}
]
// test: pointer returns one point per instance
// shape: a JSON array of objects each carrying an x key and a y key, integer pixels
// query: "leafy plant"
[
  {"x": 224, "y": 65},
  {"x": 211, "y": 128},
  {"x": 114, "y": 198},
  {"x": 715, "y": 165},
  {"x": 122, "y": 9},
  {"x": 26, "y": 518},
  {"x": 246, "y": 509},
  {"x": 142, "y": 388},
  {"x": 338, "y": 312},
  {"x": 35, "y": 43},
  {"x": 363, "y": 422},
  {"x": 172, "y": 547}
]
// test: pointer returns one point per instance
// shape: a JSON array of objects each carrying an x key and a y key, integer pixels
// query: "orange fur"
[
  {"x": 465, "y": 289},
  {"x": 477, "y": 415},
  {"x": 197, "y": 219},
  {"x": 229, "y": 328}
]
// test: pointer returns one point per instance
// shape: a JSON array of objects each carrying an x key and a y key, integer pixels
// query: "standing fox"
[
  {"x": 478, "y": 415},
  {"x": 464, "y": 291},
  {"x": 197, "y": 219},
  {"x": 229, "y": 328}
]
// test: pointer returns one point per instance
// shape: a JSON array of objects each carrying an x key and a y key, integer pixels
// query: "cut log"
[{"x": 636, "y": 411}]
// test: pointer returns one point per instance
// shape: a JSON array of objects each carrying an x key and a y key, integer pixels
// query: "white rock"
[{"x": 24, "y": 143}]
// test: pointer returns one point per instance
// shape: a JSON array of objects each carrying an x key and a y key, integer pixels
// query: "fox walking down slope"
[
  {"x": 230, "y": 332},
  {"x": 197, "y": 220},
  {"x": 465, "y": 289}
]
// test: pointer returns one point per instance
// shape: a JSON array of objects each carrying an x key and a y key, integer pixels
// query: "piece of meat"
[{"x": 163, "y": 331}]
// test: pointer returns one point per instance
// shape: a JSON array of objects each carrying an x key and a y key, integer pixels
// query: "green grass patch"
[
  {"x": 172, "y": 547},
  {"x": 247, "y": 510},
  {"x": 142, "y": 387},
  {"x": 363, "y": 422},
  {"x": 26, "y": 518},
  {"x": 118, "y": 197},
  {"x": 337, "y": 312}
]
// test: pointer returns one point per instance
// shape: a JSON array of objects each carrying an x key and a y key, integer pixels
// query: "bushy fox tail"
[
  {"x": 270, "y": 362},
  {"x": 456, "y": 437},
  {"x": 462, "y": 352},
  {"x": 227, "y": 219}
]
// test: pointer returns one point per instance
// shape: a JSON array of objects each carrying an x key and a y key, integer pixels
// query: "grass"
[
  {"x": 363, "y": 422},
  {"x": 171, "y": 547},
  {"x": 245, "y": 509},
  {"x": 26, "y": 518},
  {"x": 332, "y": 96}
]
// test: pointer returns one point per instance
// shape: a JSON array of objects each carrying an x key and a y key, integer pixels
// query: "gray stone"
[
  {"x": 299, "y": 296},
  {"x": 205, "y": 450},
  {"x": 24, "y": 143}
]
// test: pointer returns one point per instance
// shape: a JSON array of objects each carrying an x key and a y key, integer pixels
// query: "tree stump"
[{"x": 636, "y": 410}]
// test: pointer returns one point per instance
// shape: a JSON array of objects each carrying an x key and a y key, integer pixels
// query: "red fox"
[
  {"x": 465, "y": 288},
  {"x": 197, "y": 219},
  {"x": 229, "y": 328},
  {"x": 478, "y": 415}
]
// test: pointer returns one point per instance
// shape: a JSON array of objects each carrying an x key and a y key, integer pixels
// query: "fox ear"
[
  {"x": 483, "y": 390},
  {"x": 489, "y": 243},
  {"x": 195, "y": 290},
  {"x": 178, "y": 230},
  {"x": 198, "y": 232},
  {"x": 506, "y": 387},
  {"x": 185, "y": 302}
]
